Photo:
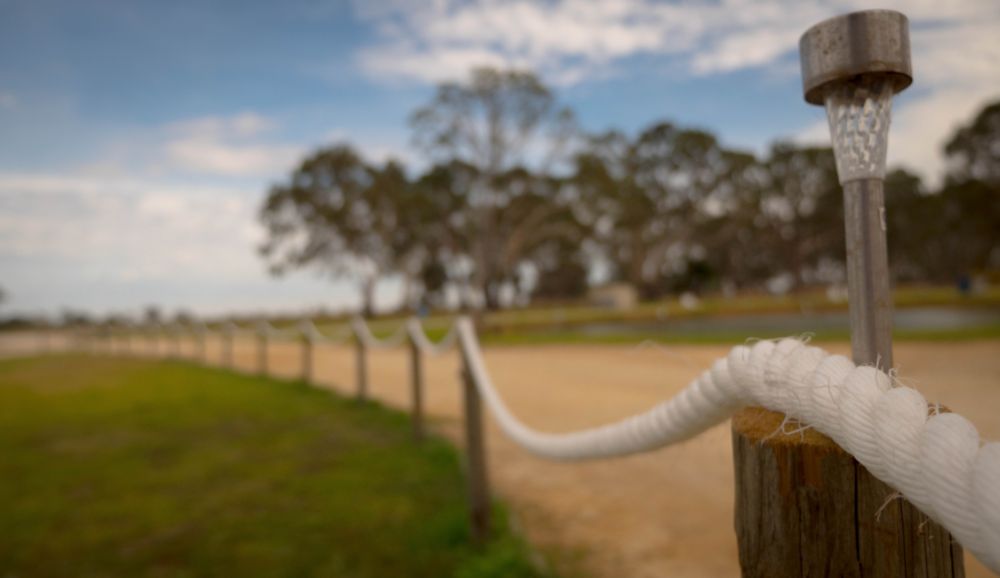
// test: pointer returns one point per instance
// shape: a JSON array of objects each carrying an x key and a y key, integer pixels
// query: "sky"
[{"x": 138, "y": 138}]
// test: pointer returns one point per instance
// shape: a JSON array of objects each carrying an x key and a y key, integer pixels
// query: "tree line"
[{"x": 517, "y": 203}]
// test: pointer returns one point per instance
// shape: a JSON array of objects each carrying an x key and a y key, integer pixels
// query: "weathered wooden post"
[
  {"x": 227, "y": 345},
  {"x": 804, "y": 507},
  {"x": 416, "y": 383},
  {"x": 43, "y": 340},
  {"x": 162, "y": 342},
  {"x": 201, "y": 334},
  {"x": 360, "y": 359},
  {"x": 307, "y": 351},
  {"x": 477, "y": 479},
  {"x": 176, "y": 341},
  {"x": 262, "y": 348}
]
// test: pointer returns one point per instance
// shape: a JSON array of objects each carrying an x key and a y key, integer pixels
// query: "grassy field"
[
  {"x": 552, "y": 323},
  {"x": 142, "y": 468}
]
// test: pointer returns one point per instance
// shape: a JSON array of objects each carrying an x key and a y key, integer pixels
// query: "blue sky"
[{"x": 138, "y": 138}]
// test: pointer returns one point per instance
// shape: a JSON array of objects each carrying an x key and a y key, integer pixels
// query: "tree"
[
  {"x": 801, "y": 204},
  {"x": 152, "y": 315},
  {"x": 643, "y": 197},
  {"x": 339, "y": 215},
  {"x": 971, "y": 196},
  {"x": 974, "y": 150},
  {"x": 494, "y": 126},
  {"x": 436, "y": 213},
  {"x": 562, "y": 272}
]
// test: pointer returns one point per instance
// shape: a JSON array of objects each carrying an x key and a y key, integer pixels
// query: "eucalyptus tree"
[
  {"x": 496, "y": 123},
  {"x": 339, "y": 215},
  {"x": 643, "y": 198},
  {"x": 802, "y": 212},
  {"x": 973, "y": 152}
]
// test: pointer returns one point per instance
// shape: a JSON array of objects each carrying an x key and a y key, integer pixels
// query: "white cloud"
[
  {"x": 7, "y": 100},
  {"x": 117, "y": 244},
  {"x": 442, "y": 39},
  {"x": 227, "y": 146},
  {"x": 130, "y": 229},
  {"x": 445, "y": 39},
  {"x": 955, "y": 48}
]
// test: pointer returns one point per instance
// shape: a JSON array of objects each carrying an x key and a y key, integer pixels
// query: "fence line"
[{"x": 934, "y": 459}]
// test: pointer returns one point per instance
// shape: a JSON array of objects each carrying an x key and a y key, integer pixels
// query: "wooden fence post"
[
  {"x": 227, "y": 347},
  {"x": 361, "y": 365},
  {"x": 307, "y": 357},
  {"x": 417, "y": 389},
  {"x": 262, "y": 350},
  {"x": 805, "y": 507},
  {"x": 43, "y": 341},
  {"x": 475, "y": 459}
]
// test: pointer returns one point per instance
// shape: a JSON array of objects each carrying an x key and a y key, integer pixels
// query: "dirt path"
[{"x": 666, "y": 513}]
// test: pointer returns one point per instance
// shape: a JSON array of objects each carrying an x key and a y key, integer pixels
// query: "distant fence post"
[
  {"x": 262, "y": 349},
  {"x": 360, "y": 357},
  {"x": 361, "y": 364},
  {"x": 475, "y": 458},
  {"x": 227, "y": 346},
  {"x": 417, "y": 388},
  {"x": 307, "y": 355},
  {"x": 43, "y": 337},
  {"x": 173, "y": 339},
  {"x": 201, "y": 334}
]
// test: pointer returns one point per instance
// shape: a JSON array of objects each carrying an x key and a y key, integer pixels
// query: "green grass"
[
  {"x": 555, "y": 322},
  {"x": 112, "y": 467}
]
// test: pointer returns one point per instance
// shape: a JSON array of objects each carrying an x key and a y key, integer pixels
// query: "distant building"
[{"x": 613, "y": 296}]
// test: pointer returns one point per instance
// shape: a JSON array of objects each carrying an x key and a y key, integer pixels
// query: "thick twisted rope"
[
  {"x": 934, "y": 460},
  {"x": 424, "y": 344}
]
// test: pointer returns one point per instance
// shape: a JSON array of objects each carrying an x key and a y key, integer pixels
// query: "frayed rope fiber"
[{"x": 936, "y": 461}]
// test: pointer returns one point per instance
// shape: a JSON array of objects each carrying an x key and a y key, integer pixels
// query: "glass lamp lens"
[{"x": 859, "y": 113}]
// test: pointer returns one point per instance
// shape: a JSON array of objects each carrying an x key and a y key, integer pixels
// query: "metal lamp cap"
[{"x": 860, "y": 43}]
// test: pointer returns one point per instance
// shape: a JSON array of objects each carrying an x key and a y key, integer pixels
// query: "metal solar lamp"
[{"x": 853, "y": 65}]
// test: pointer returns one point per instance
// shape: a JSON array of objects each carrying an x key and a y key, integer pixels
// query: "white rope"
[
  {"x": 271, "y": 332},
  {"x": 364, "y": 334},
  {"x": 317, "y": 336},
  {"x": 424, "y": 344},
  {"x": 232, "y": 329},
  {"x": 935, "y": 461}
]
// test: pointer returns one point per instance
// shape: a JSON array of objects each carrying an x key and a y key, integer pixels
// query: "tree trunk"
[
  {"x": 491, "y": 293},
  {"x": 368, "y": 297}
]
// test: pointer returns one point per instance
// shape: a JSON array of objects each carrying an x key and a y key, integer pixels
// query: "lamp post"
[
  {"x": 805, "y": 507},
  {"x": 854, "y": 64}
]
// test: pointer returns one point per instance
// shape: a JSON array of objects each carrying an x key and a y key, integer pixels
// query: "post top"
[{"x": 852, "y": 45}]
